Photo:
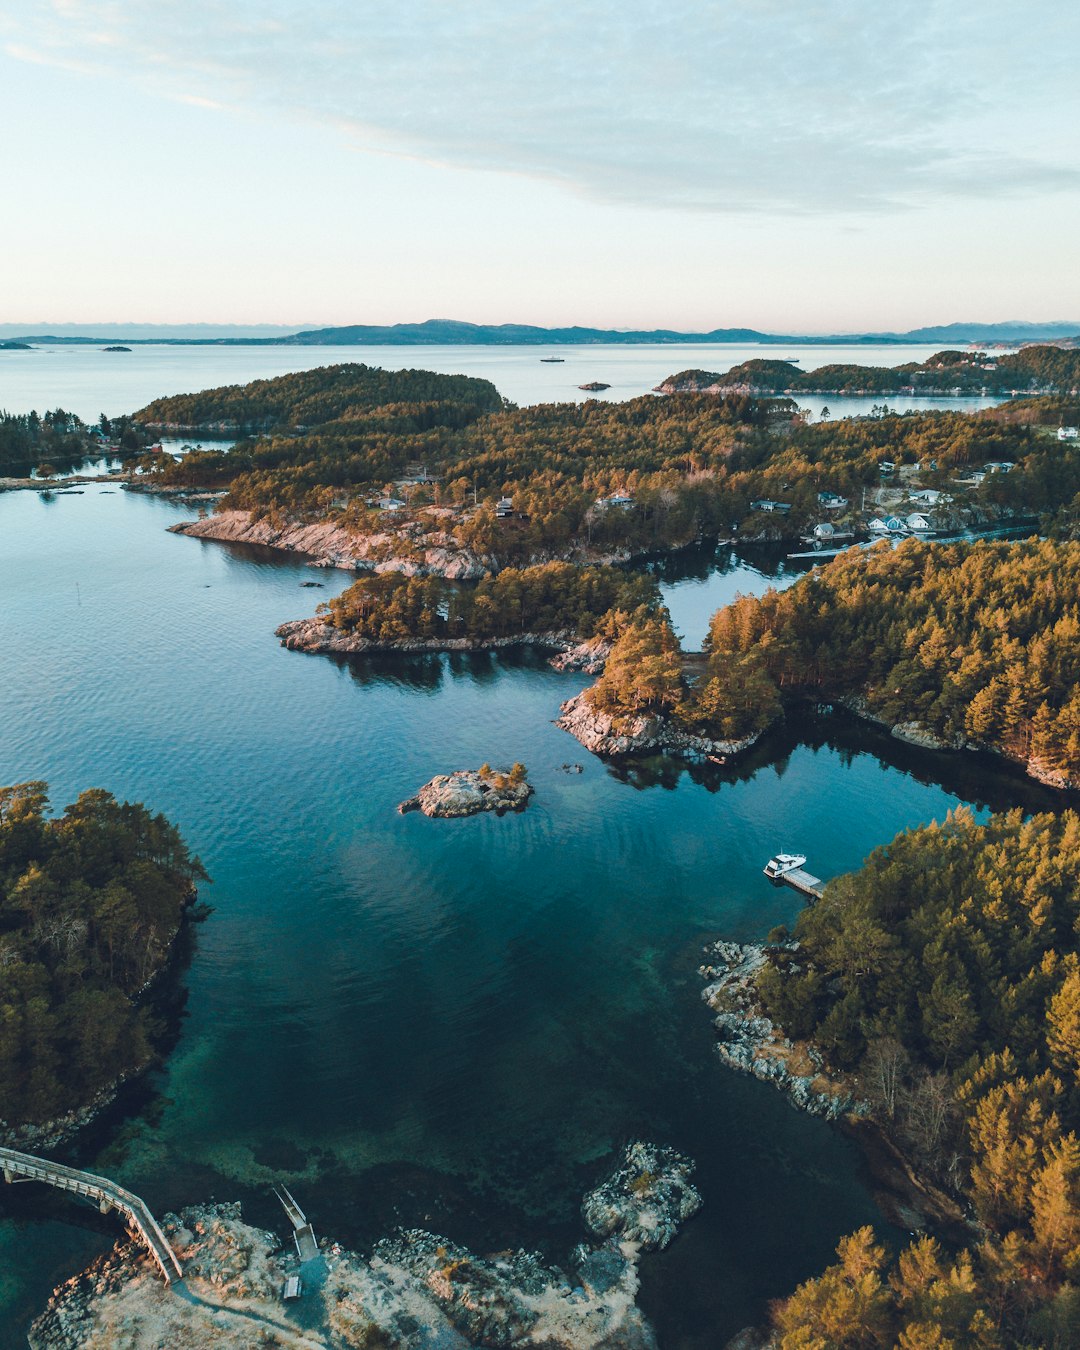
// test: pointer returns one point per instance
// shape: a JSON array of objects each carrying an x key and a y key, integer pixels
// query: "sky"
[{"x": 789, "y": 165}]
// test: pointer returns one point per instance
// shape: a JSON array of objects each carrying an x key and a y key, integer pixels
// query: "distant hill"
[{"x": 454, "y": 332}]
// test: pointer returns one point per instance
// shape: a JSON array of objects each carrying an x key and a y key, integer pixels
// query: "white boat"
[{"x": 783, "y": 862}]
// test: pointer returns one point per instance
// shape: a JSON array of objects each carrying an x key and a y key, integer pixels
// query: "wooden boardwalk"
[{"x": 106, "y": 1194}]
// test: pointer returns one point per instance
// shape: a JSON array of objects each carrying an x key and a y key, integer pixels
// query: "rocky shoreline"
[
  {"x": 417, "y": 1291},
  {"x": 45, "y": 1136},
  {"x": 915, "y": 733},
  {"x": 413, "y": 553},
  {"x": 597, "y": 731},
  {"x": 751, "y": 1043},
  {"x": 469, "y": 792},
  {"x": 317, "y": 635}
]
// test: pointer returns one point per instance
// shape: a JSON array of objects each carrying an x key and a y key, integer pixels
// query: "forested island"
[
  {"x": 945, "y": 977},
  {"x": 1032, "y": 370},
  {"x": 91, "y": 903}
]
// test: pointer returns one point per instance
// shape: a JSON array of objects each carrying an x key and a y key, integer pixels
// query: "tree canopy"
[{"x": 90, "y": 903}]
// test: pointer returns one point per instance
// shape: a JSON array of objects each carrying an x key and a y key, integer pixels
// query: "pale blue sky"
[{"x": 795, "y": 165}]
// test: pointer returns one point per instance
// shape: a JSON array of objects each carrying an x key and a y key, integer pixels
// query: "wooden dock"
[
  {"x": 801, "y": 881},
  {"x": 307, "y": 1249},
  {"x": 106, "y": 1194}
]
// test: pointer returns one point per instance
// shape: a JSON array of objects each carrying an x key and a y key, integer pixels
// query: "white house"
[
  {"x": 832, "y": 501},
  {"x": 824, "y": 533},
  {"x": 504, "y": 507},
  {"x": 878, "y": 526},
  {"x": 766, "y": 504},
  {"x": 1068, "y": 433},
  {"x": 928, "y": 496},
  {"x": 918, "y": 523},
  {"x": 618, "y": 499},
  {"x": 390, "y": 504}
]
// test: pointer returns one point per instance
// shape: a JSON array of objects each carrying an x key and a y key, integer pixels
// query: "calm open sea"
[
  {"x": 452, "y": 1024},
  {"x": 89, "y": 381}
]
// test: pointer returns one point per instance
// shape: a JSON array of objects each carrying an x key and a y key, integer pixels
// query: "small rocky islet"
[
  {"x": 468, "y": 792},
  {"x": 416, "y": 1291}
]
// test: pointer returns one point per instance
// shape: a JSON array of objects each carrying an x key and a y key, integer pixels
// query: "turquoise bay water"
[{"x": 452, "y": 1024}]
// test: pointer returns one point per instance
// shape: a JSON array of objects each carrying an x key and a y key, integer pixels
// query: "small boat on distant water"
[
  {"x": 783, "y": 862},
  {"x": 553, "y": 358}
]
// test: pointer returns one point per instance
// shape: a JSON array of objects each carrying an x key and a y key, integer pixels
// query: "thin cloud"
[{"x": 779, "y": 106}]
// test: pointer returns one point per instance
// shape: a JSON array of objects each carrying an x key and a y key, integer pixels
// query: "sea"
[
  {"x": 454, "y": 1025},
  {"x": 88, "y": 380}
]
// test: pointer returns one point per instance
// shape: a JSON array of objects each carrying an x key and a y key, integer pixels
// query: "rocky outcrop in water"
[
  {"x": 598, "y": 731},
  {"x": 750, "y": 1042},
  {"x": 411, "y": 550},
  {"x": 468, "y": 792},
  {"x": 646, "y": 1200},
  {"x": 418, "y": 1291}
]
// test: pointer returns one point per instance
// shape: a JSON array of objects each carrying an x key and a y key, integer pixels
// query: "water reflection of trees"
[
  {"x": 699, "y": 562},
  {"x": 983, "y": 780},
  {"x": 426, "y": 671}
]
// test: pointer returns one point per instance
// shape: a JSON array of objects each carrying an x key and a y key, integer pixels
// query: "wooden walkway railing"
[{"x": 107, "y": 1194}]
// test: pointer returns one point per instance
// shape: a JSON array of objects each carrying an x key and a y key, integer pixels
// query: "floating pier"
[
  {"x": 802, "y": 881},
  {"x": 799, "y": 880}
]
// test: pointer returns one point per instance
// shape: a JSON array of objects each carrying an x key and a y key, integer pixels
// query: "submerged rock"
[
  {"x": 646, "y": 1199},
  {"x": 467, "y": 792}
]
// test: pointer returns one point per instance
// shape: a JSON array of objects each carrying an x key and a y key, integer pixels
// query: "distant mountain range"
[{"x": 451, "y": 332}]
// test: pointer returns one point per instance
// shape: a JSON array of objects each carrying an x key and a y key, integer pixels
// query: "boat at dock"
[
  {"x": 786, "y": 869},
  {"x": 780, "y": 863}
]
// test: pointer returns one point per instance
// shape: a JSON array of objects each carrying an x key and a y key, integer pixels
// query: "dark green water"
[{"x": 448, "y": 1024}]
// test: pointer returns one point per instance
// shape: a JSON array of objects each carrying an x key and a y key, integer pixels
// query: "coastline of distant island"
[{"x": 453, "y": 332}]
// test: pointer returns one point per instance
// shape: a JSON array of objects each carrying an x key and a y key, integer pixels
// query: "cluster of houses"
[{"x": 916, "y": 523}]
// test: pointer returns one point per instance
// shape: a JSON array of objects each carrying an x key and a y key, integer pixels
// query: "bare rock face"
[
  {"x": 410, "y": 549},
  {"x": 418, "y": 1291},
  {"x": 646, "y": 1199},
  {"x": 597, "y": 731},
  {"x": 914, "y": 733},
  {"x": 589, "y": 656},
  {"x": 514, "y": 1300},
  {"x": 467, "y": 792}
]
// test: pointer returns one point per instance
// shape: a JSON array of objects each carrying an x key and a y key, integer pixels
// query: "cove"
[{"x": 446, "y": 1024}]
